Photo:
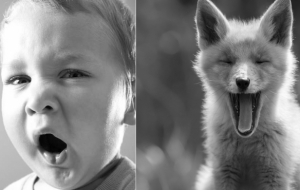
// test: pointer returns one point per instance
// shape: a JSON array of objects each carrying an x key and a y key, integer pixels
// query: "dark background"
[{"x": 169, "y": 94}]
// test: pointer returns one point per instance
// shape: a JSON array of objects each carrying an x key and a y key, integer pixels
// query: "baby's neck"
[{"x": 40, "y": 184}]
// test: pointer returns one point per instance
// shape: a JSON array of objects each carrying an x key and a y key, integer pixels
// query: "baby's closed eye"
[{"x": 73, "y": 73}]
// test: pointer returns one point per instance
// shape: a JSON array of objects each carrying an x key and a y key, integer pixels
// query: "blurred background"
[
  {"x": 12, "y": 167},
  {"x": 169, "y": 94}
]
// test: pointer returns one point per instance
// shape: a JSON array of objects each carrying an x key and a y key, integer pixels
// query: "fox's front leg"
[
  {"x": 275, "y": 166},
  {"x": 273, "y": 179},
  {"x": 216, "y": 179},
  {"x": 227, "y": 176}
]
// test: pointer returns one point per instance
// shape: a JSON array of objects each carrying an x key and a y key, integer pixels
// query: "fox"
[{"x": 251, "y": 116}]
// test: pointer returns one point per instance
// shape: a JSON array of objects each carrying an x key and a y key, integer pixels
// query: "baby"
[{"x": 68, "y": 92}]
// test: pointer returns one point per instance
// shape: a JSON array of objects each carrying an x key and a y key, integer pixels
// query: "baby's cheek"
[{"x": 10, "y": 109}]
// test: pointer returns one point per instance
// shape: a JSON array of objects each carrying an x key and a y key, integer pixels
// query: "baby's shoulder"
[{"x": 25, "y": 183}]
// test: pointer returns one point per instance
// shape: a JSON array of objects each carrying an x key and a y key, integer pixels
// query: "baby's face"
[{"x": 62, "y": 80}]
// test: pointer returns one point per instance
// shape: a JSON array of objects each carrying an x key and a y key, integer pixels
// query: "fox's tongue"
[{"x": 245, "y": 118}]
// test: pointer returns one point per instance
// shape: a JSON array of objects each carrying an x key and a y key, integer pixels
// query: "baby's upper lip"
[{"x": 43, "y": 131}]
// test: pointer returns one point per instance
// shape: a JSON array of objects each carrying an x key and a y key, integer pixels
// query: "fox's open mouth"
[{"x": 245, "y": 111}]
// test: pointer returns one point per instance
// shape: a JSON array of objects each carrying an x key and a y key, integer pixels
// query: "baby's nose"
[
  {"x": 33, "y": 109},
  {"x": 243, "y": 83},
  {"x": 41, "y": 100}
]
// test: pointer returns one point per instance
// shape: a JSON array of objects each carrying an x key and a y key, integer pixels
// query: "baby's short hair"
[{"x": 116, "y": 15}]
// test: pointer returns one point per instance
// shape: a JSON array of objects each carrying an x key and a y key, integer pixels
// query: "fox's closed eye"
[
  {"x": 19, "y": 79},
  {"x": 227, "y": 58},
  {"x": 73, "y": 73},
  {"x": 227, "y": 61},
  {"x": 261, "y": 61}
]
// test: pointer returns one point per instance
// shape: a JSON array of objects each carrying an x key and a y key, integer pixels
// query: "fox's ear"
[
  {"x": 276, "y": 23},
  {"x": 211, "y": 24}
]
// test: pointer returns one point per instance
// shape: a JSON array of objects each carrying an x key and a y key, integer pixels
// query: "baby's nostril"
[
  {"x": 48, "y": 108},
  {"x": 242, "y": 83},
  {"x": 30, "y": 111},
  {"x": 52, "y": 144}
]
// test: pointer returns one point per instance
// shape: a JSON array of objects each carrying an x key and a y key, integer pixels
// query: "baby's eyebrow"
[
  {"x": 68, "y": 58},
  {"x": 14, "y": 65}
]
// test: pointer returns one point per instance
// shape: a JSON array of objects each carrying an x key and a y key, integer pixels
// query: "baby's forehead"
[
  {"x": 87, "y": 26},
  {"x": 68, "y": 9},
  {"x": 120, "y": 27},
  {"x": 63, "y": 8},
  {"x": 66, "y": 6}
]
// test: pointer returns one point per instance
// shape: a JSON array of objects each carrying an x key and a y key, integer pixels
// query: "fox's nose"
[{"x": 242, "y": 84}]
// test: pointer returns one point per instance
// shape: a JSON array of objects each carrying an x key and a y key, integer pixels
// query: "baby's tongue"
[
  {"x": 55, "y": 158},
  {"x": 245, "y": 119}
]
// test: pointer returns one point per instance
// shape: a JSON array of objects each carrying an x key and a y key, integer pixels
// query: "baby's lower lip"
[{"x": 55, "y": 158}]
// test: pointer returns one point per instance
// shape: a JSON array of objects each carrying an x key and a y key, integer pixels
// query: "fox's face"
[{"x": 245, "y": 61}]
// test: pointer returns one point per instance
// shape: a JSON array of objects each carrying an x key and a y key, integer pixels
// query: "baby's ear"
[
  {"x": 212, "y": 26},
  {"x": 130, "y": 115},
  {"x": 276, "y": 23}
]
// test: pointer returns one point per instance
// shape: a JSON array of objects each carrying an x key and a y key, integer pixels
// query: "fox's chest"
[
  {"x": 249, "y": 174},
  {"x": 250, "y": 160}
]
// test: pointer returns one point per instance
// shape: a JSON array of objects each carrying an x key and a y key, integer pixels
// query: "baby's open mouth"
[
  {"x": 53, "y": 149},
  {"x": 245, "y": 111}
]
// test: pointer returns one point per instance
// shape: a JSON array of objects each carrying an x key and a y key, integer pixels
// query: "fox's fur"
[{"x": 268, "y": 157}]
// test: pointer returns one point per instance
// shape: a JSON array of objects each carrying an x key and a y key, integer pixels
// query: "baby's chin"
[{"x": 59, "y": 179}]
